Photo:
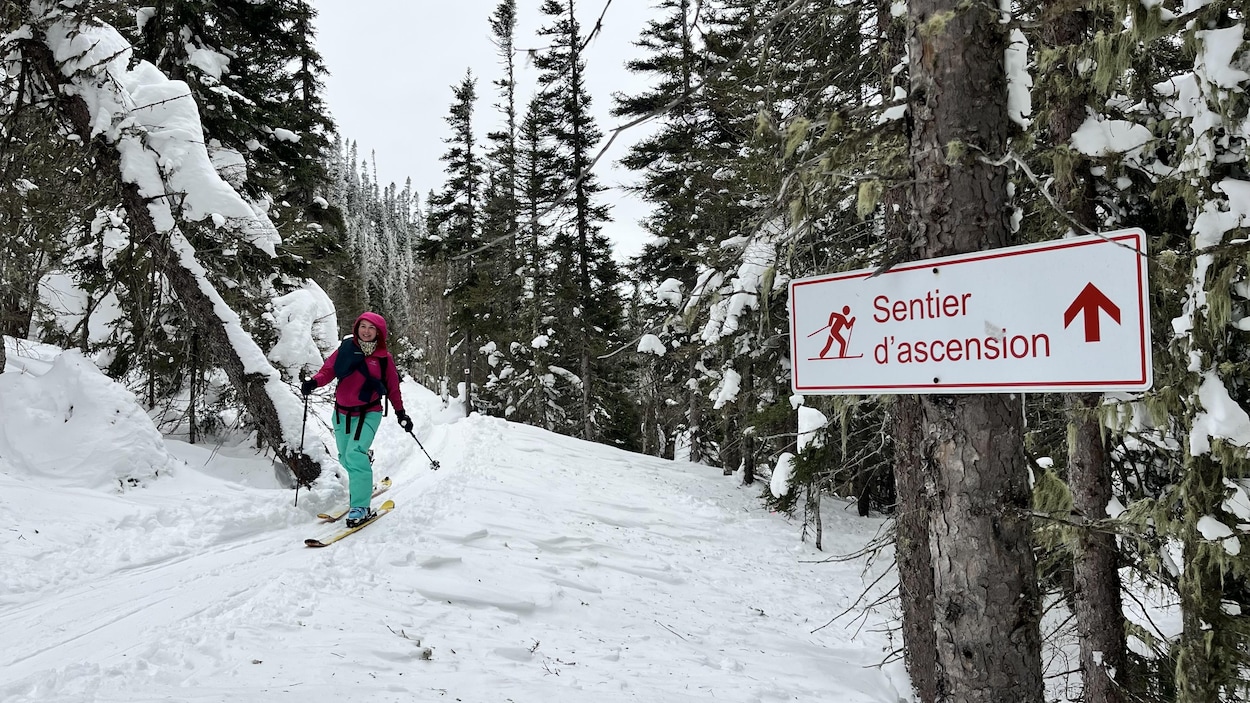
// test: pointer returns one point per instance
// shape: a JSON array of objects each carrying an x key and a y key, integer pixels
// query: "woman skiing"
[{"x": 366, "y": 374}]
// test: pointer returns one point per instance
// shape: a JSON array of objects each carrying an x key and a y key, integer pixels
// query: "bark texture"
[
  {"x": 1097, "y": 604},
  {"x": 911, "y": 512},
  {"x": 911, "y": 549},
  {"x": 985, "y": 589}
]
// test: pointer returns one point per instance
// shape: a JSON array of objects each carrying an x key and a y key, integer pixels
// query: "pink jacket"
[{"x": 347, "y": 395}]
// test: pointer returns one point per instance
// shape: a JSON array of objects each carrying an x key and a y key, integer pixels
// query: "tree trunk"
[
  {"x": 911, "y": 549},
  {"x": 1098, "y": 609},
  {"x": 694, "y": 415},
  {"x": 468, "y": 368},
  {"x": 911, "y": 512},
  {"x": 202, "y": 310},
  {"x": 745, "y": 408},
  {"x": 985, "y": 589}
]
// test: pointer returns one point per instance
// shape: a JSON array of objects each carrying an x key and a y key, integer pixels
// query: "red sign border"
[{"x": 1142, "y": 383}]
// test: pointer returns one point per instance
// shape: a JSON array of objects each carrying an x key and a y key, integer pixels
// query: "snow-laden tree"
[
  {"x": 455, "y": 232},
  {"x": 143, "y": 130},
  {"x": 1204, "y": 510},
  {"x": 522, "y": 385}
]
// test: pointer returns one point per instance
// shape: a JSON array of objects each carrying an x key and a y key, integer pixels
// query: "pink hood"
[{"x": 377, "y": 321}]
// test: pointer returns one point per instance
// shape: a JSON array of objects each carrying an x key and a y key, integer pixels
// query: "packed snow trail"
[{"x": 531, "y": 567}]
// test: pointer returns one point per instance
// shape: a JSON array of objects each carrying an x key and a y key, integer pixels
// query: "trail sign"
[{"x": 1064, "y": 316}]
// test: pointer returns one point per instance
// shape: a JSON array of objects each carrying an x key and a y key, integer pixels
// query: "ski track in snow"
[{"x": 533, "y": 566}]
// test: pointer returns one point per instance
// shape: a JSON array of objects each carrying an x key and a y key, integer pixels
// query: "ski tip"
[
  {"x": 388, "y": 505},
  {"x": 314, "y": 543}
]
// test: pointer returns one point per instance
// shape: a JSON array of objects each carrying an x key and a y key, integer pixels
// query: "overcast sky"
[{"x": 392, "y": 64}]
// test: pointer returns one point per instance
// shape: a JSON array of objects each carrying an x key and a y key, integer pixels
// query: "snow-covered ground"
[{"x": 531, "y": 567}]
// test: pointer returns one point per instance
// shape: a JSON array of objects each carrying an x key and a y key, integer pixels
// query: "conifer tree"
[
  {"x": 585, "y": 276},
  {"x": 985, "y": 587},
  {"x": 1203, "y": 507},
  {"x": 673, "y": 178},
  {"x": 154, "y": 217},
  {"x": 456, "y": 222},
  {"x": 526, "y": 387},
  {"x": 1065, "y": 98},
  {"x": 500, "y": 219}
]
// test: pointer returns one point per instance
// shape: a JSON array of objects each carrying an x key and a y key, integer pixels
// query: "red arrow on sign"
[{"x": 1090, "y": 301}]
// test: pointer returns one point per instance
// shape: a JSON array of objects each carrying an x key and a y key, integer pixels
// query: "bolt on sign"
[{"x": 1069, "y": 315}]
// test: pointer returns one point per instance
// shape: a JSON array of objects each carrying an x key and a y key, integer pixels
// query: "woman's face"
[{"x": 366, "y": 332}]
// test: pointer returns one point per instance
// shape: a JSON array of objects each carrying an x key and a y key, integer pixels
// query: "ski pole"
[
  {"x": 433, "y": 461},
  {"x": 822, "y": 329},
  {"x": 303, "y": 428}
]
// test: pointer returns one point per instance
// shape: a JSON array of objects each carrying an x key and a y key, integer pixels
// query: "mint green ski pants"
[{"x": 354, "y": 453}]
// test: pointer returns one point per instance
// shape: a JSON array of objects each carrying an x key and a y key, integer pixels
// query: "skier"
[
  {"x": 837, "y": 322},
  {"x": 366, "y": 374}
]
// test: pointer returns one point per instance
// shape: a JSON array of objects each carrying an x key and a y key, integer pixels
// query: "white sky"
[{"x": 393, "y": 62}]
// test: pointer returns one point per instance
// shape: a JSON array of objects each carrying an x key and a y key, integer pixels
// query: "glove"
[
  {"x": 404, "y": 421},
  {"x": 308, "y": 386}
]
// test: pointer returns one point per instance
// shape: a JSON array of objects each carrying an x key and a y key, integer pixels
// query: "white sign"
[{"x": 1066, "y": 316}]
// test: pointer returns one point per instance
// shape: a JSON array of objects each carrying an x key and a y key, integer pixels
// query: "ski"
[
  {"x": 383, "y": 509},
  {"x": 338, "y": 514}
]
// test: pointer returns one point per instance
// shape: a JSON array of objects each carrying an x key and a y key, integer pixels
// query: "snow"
[
  {"x": 63, "y": 305},
  {"x": 1019, "y": 82},
  {"x": 651, "y": 344},
  {"x": 1115, "y": 508},
  {"x": 228, "y": 163},
  {"x": 890, "y": 114},
  {"x": 1212, "y": 529},
  {"x": 142, "y": 16},
  {"x": 779, "y": 485},
  {"x": 1217, "y": 49},
  {"x": 156, "y": 127},
  {"x": 531, "y": 567},
  {"x": 1221, "y": 417},
  {"x": 1238, "y": 500},
  {"x": 727, "y": 390},
  {"x": 212, "y": 63},
  {"x": 156, "y": 130},
  {"x": 1097, "y": 137},
  {"x": 175, "y": 135},
  {"x": 670, "y": 292},
  {"x": 285, "y": 135},
  {"x": 114, "y": 443},
  {"x": 811, "y": 421},
  {"x": 758, "y": 259},
  {"x": 307, "y": 327}
]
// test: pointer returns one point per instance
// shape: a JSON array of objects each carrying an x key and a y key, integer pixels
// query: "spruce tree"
[
  {"x": 985, "y": 587},
  {"x": 456, "y": 222},
  {"x": 525, "y": 387},
  {"x": 585, "y": 277},
  {"x": 503, "y": 265}
]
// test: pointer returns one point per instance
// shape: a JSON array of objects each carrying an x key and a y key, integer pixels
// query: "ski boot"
[{"x": 358, "y": 516}]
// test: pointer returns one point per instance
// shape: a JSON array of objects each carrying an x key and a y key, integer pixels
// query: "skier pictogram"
[{"x": 838, "y": 322}]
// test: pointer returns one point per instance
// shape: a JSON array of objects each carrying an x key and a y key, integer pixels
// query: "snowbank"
[{"x": 75, "y": 427}]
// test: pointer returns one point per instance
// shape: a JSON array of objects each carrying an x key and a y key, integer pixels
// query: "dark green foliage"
[{"x": 584, "y": 278}]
